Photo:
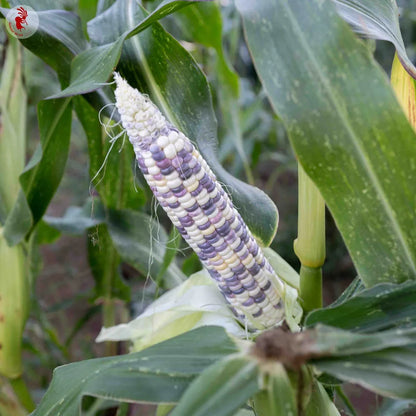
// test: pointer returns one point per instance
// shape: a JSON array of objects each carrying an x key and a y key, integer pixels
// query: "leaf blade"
[
  {"x": 133, "y": 377},
  {"x": 367, "y": 182},
  {"x": 381, "y": 307},
  {"x": 42, "y": 175},
  {"x": 205, "y": 396},
  {"x": 378, "y": 20}
]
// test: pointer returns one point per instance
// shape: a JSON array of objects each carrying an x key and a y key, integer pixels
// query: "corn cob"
[{"x": 198, "y": 206}]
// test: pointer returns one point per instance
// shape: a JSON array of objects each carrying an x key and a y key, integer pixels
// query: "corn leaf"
[
  {"x": 202, "y": 23},
  {"x": 341, "y": 113},
  {"x": 320, "y": 403},
  {"x": 390, "y": 372},
  {"x": 43, "y": 173},
  {"x": 136, "y": 236},
  {"x": 207, "y": 396},
  {"x": 379, "y": 20},
  {"x": 104, "y": 261},
  {"x": 381, "y": 307},
  {"x": 93, "y": 67},
  {"x": 86, "y": 11},
  {"x": 194, "y": 303},
  {"x": 382, "y": 362},
  {"x": 141, "y": 242},
  {"x": 159, "y": 374},
  {"x": 110, "y": 165},
  {"x": 405, "y": 89},
  {"x": 396, "y": 407},
  {"x": 277, "y": 397}
]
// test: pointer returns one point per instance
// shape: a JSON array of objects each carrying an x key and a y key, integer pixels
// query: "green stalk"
[
  {"x": 9, "y": 403},
  {"x": 123, "y": 409},
  {"x": 23, "y": 394},
  {"x": 310, "y": 244},
  {"x": 109, "y": 310},
  {"x": 310, "y": 287},
  {"x": 14, "y": 275}
]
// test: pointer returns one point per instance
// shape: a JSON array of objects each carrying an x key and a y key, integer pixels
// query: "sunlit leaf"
[{"x": 404, "y": 87}]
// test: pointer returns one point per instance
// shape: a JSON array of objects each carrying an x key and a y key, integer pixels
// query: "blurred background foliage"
[{"x": 66, "y": 303}]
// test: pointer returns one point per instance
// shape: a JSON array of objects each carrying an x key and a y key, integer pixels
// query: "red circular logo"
[{"x": 22, "y": 22}]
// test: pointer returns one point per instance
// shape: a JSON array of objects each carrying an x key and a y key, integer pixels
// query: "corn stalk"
[
  {"x": 14, "y": 280},
  {"x": 310, "y": 244}
]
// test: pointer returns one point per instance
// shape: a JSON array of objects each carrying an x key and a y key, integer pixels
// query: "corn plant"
[
  {"x": 248, "y": 334},
  {"x": 15, "y": 277}
]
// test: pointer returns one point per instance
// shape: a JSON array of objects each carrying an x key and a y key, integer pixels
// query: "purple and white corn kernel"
[{"x": 202, "y": 211}]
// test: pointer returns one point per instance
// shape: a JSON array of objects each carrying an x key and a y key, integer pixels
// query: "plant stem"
[
  {"x": 109, "y": 320},
  {"x": 22, "y": 393},
  {"x": 123, "y": 409},
  {"x": 310, "y": 244},
  {"x": 310, "y": 291},
  {"x": 345, "y": 400}
]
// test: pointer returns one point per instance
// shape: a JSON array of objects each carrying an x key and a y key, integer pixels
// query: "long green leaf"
[
  {"x": 341, "y": 115},
  {"x": 185, "y": 99},
  {"x": 77, "y": 220},
  {"x": 382, "y": 362},
  {"x": 202, "y": 23},
  {"x": 320, "y": 404},
  {"x": 43, "y": 173},
  {"x": 93, "y": 67},
  {"x": 384, "y": 306},
  {"x": 379, "y": 20},
  {"x": 389, "y": 372},
  {"x": 86, "y": 11},
  {"x": 110, "y": 165},
  {"x": 221, "y": 389},
  {"x": 159, "y": 374},
  {"x": 339, "y": 343},
  {"x": 396, "y": 407},
  {"x": 138, "y": 238},
  {"x": 142, "y": 242},
  {"x": 278, "y": 397}
]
